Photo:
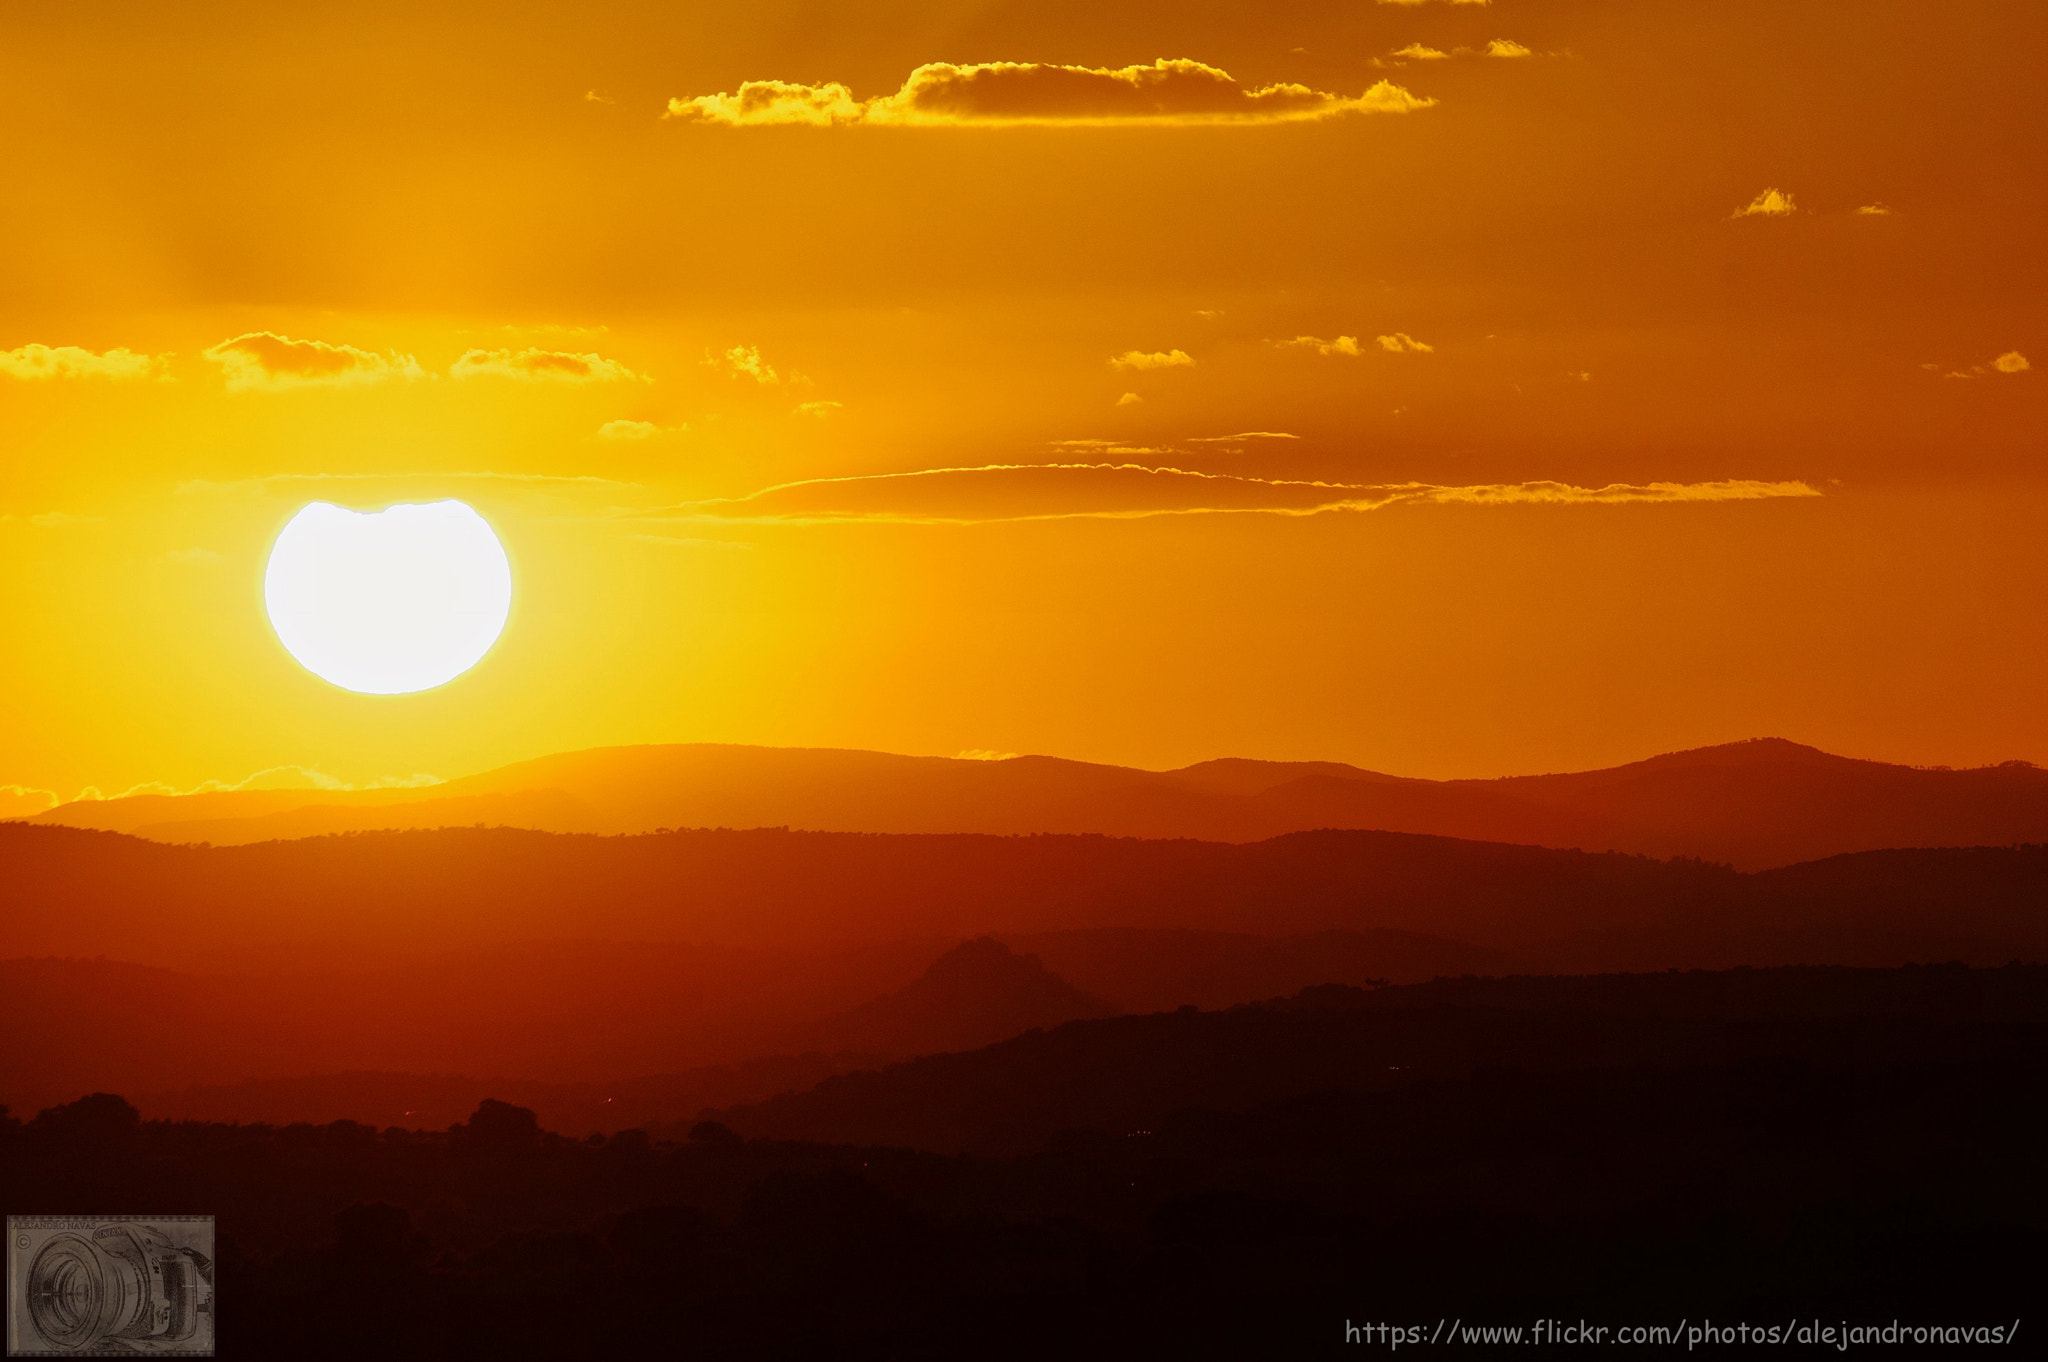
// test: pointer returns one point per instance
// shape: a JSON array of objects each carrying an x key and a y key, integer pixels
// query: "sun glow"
[{"x": 388, "y": 602}]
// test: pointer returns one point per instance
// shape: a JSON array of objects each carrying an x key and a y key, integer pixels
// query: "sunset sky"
[{"x": 1448, "y": 388}]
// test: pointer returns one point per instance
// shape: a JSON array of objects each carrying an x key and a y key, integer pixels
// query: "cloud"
[
  {"x": 1874, "y": 210},
  {"x": 1104, "y": 448},
  {"x": 543, "y": 366},
  {"x": 1772, "y": 203},
  {"x": 1166, "y": 93},
  {"x": 1152, "y": 359},
  {"x": 1412, "y": 3},
  {"x": 744, "y": 361},
  {"x": 266, "y": 360},
  {"x": 22, "y": 801},
  {"x": 1400, "y": 343},
  {"x": 637, "y": 430},
  {"x": 765, "y": 103},
  {"x": 819, "y": 409},
  {"x": 1499, "y": 47},
  {"x": 1129, "y": 400},
  {"x": 1240, "y": 437},
  {"x": 2011, "y": 362},
  {"x": 983, "y": 754},
  {"x": 1342, "y": 345},
  {"x": 35, "y": 361},
  {"x": 270, "y": 778},
  {"x": 1097, "y": 490}
]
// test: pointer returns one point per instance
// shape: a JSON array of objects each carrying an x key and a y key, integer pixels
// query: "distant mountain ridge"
[
  {"x": 1755, "y": 804},
  {"x": 976, "y": 994},
  {"x": 565, "y": 959}
]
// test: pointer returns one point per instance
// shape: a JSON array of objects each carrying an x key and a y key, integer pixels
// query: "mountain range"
[
  {"x": 1750, "y": 804},
  {"x": 578, "y": 959}
]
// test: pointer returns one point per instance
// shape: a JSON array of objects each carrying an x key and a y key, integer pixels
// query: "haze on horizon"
[{"x": 1452, "y": 390}]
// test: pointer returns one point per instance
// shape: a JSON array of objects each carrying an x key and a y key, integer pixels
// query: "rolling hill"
[{"x": 1751, "y": 804}]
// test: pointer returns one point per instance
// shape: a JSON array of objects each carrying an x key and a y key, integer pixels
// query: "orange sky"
[{"x": 1265, "y": 392}]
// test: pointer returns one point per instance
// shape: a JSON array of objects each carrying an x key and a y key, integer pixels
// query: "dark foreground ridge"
[{"x": 1751, "y": 1144}]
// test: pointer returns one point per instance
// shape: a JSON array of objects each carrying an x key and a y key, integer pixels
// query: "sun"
[{"x": 388, "y": 602}]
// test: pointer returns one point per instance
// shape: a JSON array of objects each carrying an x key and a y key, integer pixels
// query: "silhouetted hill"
[
  {"x": 1159, "y": 970},
  {"x": 1753, "y": 1146},
  {"x": 554, "y": 1014},
  {"x": 405, "y": 895},
  {"x": 1130, "y": 1074},
  {"x": 1750, "y": 804},
  {"x": 975, "y": 994},
  {"x": 572, "y": 1027},
  {"x": 580, "y": 959},
  {"x": 434, "y": 1101}
]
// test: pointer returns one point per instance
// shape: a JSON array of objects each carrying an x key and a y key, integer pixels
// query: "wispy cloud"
[
  {"x": 744, "y": 361},
  {"x": 2011, "y": 362},
  {"x": 23, "y": 801},
  {"x": 1240, "y": 437},
  {"x": 1129, "y": 400},
  {"x": 1498, "y": 47},
  {"x": 992, "y": 493},
  {"x": 1401, "y": 343},
  {"x": 818, "y": 409},
  {"x": 1165, "y": 93},
  {"x": 1874, "y": 210},
  {"x": 264, "y": 360},
  {"x": 1152, "y": 359},
  {"x": 271, "y": 778},
  {"x": 1772, "y": 203},
  {"x": 36, "y": 361},
  {"x": 638, "y": 430},
  {"x": 1410, "y": 4},
  {"x": 543, "y": 366},
  {"x": 1341, "y": 345}
]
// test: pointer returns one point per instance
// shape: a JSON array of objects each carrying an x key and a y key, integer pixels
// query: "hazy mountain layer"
[{"x": 1752, "y": 804}]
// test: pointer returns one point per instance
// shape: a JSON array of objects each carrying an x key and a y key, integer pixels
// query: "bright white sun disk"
[{"x": 391, "y": 601}]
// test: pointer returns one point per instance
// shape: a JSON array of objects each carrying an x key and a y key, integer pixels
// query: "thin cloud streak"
[
  {"x": 543, "y": 366},
  {"x": 1092, "y": 488}
]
